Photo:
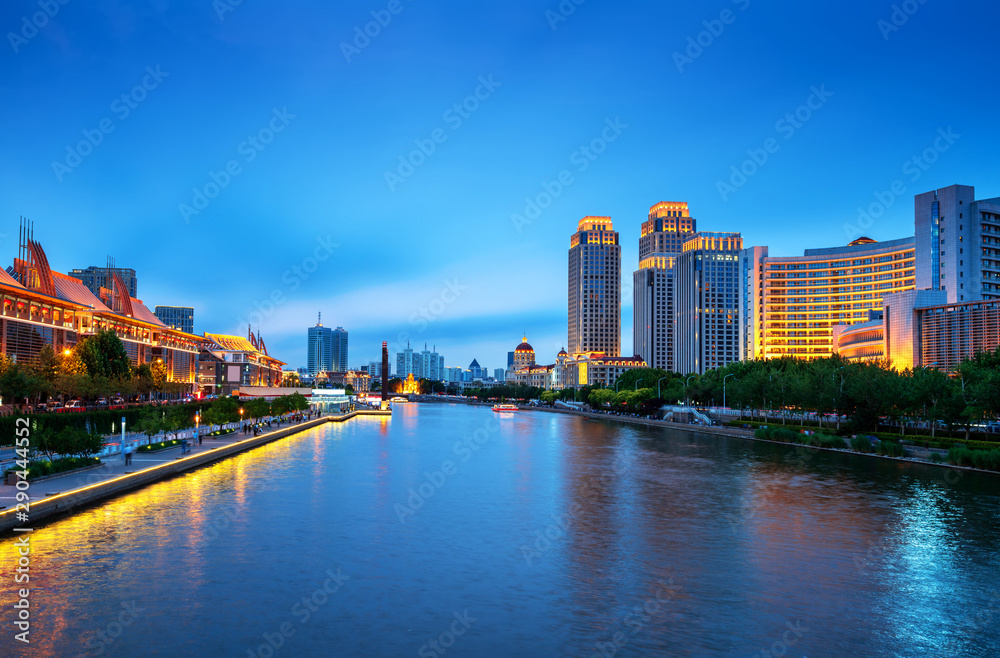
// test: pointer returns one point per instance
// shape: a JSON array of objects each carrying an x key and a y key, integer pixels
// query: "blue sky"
[{"x": 306, "y": 216}]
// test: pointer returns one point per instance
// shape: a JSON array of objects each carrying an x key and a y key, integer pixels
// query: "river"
[{"x": 451, "y": 530}]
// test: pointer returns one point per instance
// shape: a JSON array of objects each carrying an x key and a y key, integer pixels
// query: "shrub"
[
  {"x": 890, "y": 449},
  {"x": 43, "y": 468},
  {"x": 936, "y": 457},
  {"x": 826, "y": 441},
  {"x": 861, "y": 444},
  {"x": 985, "y": 459},
  {"x": 159, "y": 446}
]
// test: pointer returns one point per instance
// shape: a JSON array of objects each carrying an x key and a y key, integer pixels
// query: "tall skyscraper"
[
  {"x": 707, "y": 302},
  {"x": 95, "y": 278},
  {"x": 660, "y": 243},
  {"x": 319, "y": 351},
  {"x": 178, "y": 317},
  {"x": 338, "y": 350},
  {"x": 945, "y": 228},
  {"x": 595, "y": 265},
  {"x": 430, "y": 365}
]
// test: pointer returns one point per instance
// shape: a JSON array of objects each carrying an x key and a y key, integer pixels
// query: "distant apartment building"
[
  {"x": 500, "y": 374},
  {"x": 660, "y": 244},
  {"x": 707, "y": 304},
  {"x": 595, "y": 288},
  {"x": 178, "y": 317},
  {"x": 95, "y": 278}
]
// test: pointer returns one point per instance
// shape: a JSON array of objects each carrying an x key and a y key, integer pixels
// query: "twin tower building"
[{"x": 686, "y": 311}]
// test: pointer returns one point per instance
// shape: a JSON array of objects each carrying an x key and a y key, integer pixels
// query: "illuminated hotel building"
[
  {"x": 706, "y": 300},
  {"x": 660, "y": 243},
  {"x": 751, "y": 300},
  {"x": 595, "y": 263},
  {"x": 805, "y": 297}
]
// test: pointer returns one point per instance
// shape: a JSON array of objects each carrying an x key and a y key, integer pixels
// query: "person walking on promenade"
[{"x": 128, "y": 456}]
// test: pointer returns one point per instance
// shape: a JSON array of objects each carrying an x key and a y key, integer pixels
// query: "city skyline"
[{"x": 288, "y": 116}]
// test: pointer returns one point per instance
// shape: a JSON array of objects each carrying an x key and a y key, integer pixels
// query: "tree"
[
  {"x": 104, "y": 355},
  {"x": 290, "y": 380}
]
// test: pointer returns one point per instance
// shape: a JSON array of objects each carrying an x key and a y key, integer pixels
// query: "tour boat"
[{"x": 504, "y": 407}]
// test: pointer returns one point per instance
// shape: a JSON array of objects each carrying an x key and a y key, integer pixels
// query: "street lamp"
[
  {"x": 724, "y": 388},
  {"x": 658, "y": 386},
  {"x": 687, "y": 396},
  {"x": 197, "y": 427},
  {"x": 637, "y": 384}
]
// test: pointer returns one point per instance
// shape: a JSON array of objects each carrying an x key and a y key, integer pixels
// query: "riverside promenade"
[{"x": 62, "y": 494}]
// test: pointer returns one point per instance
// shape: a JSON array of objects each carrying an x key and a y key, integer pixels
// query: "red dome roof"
[{"x": 524, "y": 347}]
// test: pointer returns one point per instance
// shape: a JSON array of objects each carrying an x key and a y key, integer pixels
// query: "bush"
[
  {"x": 152, "y": 447},
  {"x": 861, "y": 444},
  {"x": 936, "y": 457},
  {"x": 826, "y": 441},
  {"x": 43, "y": 468},
  {"x": 985, "y": 459},
  {"x": 890, "y": 449},
  {"x": 221, "y": 432}
]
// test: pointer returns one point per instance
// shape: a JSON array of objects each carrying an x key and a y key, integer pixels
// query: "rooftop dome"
[
  {"x": 563, "y": 352},
  {"x": 524, "y": 347},
  {"x": 860, "y": 241}
]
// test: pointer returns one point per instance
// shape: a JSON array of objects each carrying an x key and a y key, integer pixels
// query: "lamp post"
[
  {"x": 724, "y": 388},
  {"x": 658, "y": 386},
  {"x": 637, "y": 384},
  {"x": 617, "y": 384},
  {"x": 687, "y": 396},
  {"x": 197, "y": 427}
]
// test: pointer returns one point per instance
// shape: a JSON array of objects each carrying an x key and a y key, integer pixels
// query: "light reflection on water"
[{"x": 560, "y": 536}]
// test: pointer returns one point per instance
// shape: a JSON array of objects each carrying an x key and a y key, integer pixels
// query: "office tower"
[
  {"x": 176, "y": 317},
  {"x": 806, "y": 296},
  {"x": 96, "y": 278},
  {"x": 510, "y": 360},
  {"x": 441, "y": 374},
  {"x": 374, "y": 369},
  {"x": 319, "y": 350},
  {"x": 661, "y": 242},
  {"x": 476, "y": 371},
  {"x": 945, "y": 239},
  {"x": 706, "y": 298},
  {"x": 751, "y": 299},
  {"x": 499, "y": 374},
  {"x": 409, "y": 363},
  {"x": 595, "y": 262},
  {"x": 429, "y": 365},
  {"x": 985, "y": 216},
  {"x": 338, "y": 350}
]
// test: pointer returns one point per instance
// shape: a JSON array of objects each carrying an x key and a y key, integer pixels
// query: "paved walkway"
[{"x": 114, "y": 466}]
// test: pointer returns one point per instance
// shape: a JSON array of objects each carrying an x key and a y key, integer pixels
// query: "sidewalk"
[{"x": 114, "y": 466}]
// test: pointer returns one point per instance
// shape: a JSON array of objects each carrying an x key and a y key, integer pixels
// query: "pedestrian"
[{"x": 128, "y": 456}]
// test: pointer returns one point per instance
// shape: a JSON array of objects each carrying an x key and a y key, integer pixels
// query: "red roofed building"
[{"x": 227, "y": 363}]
